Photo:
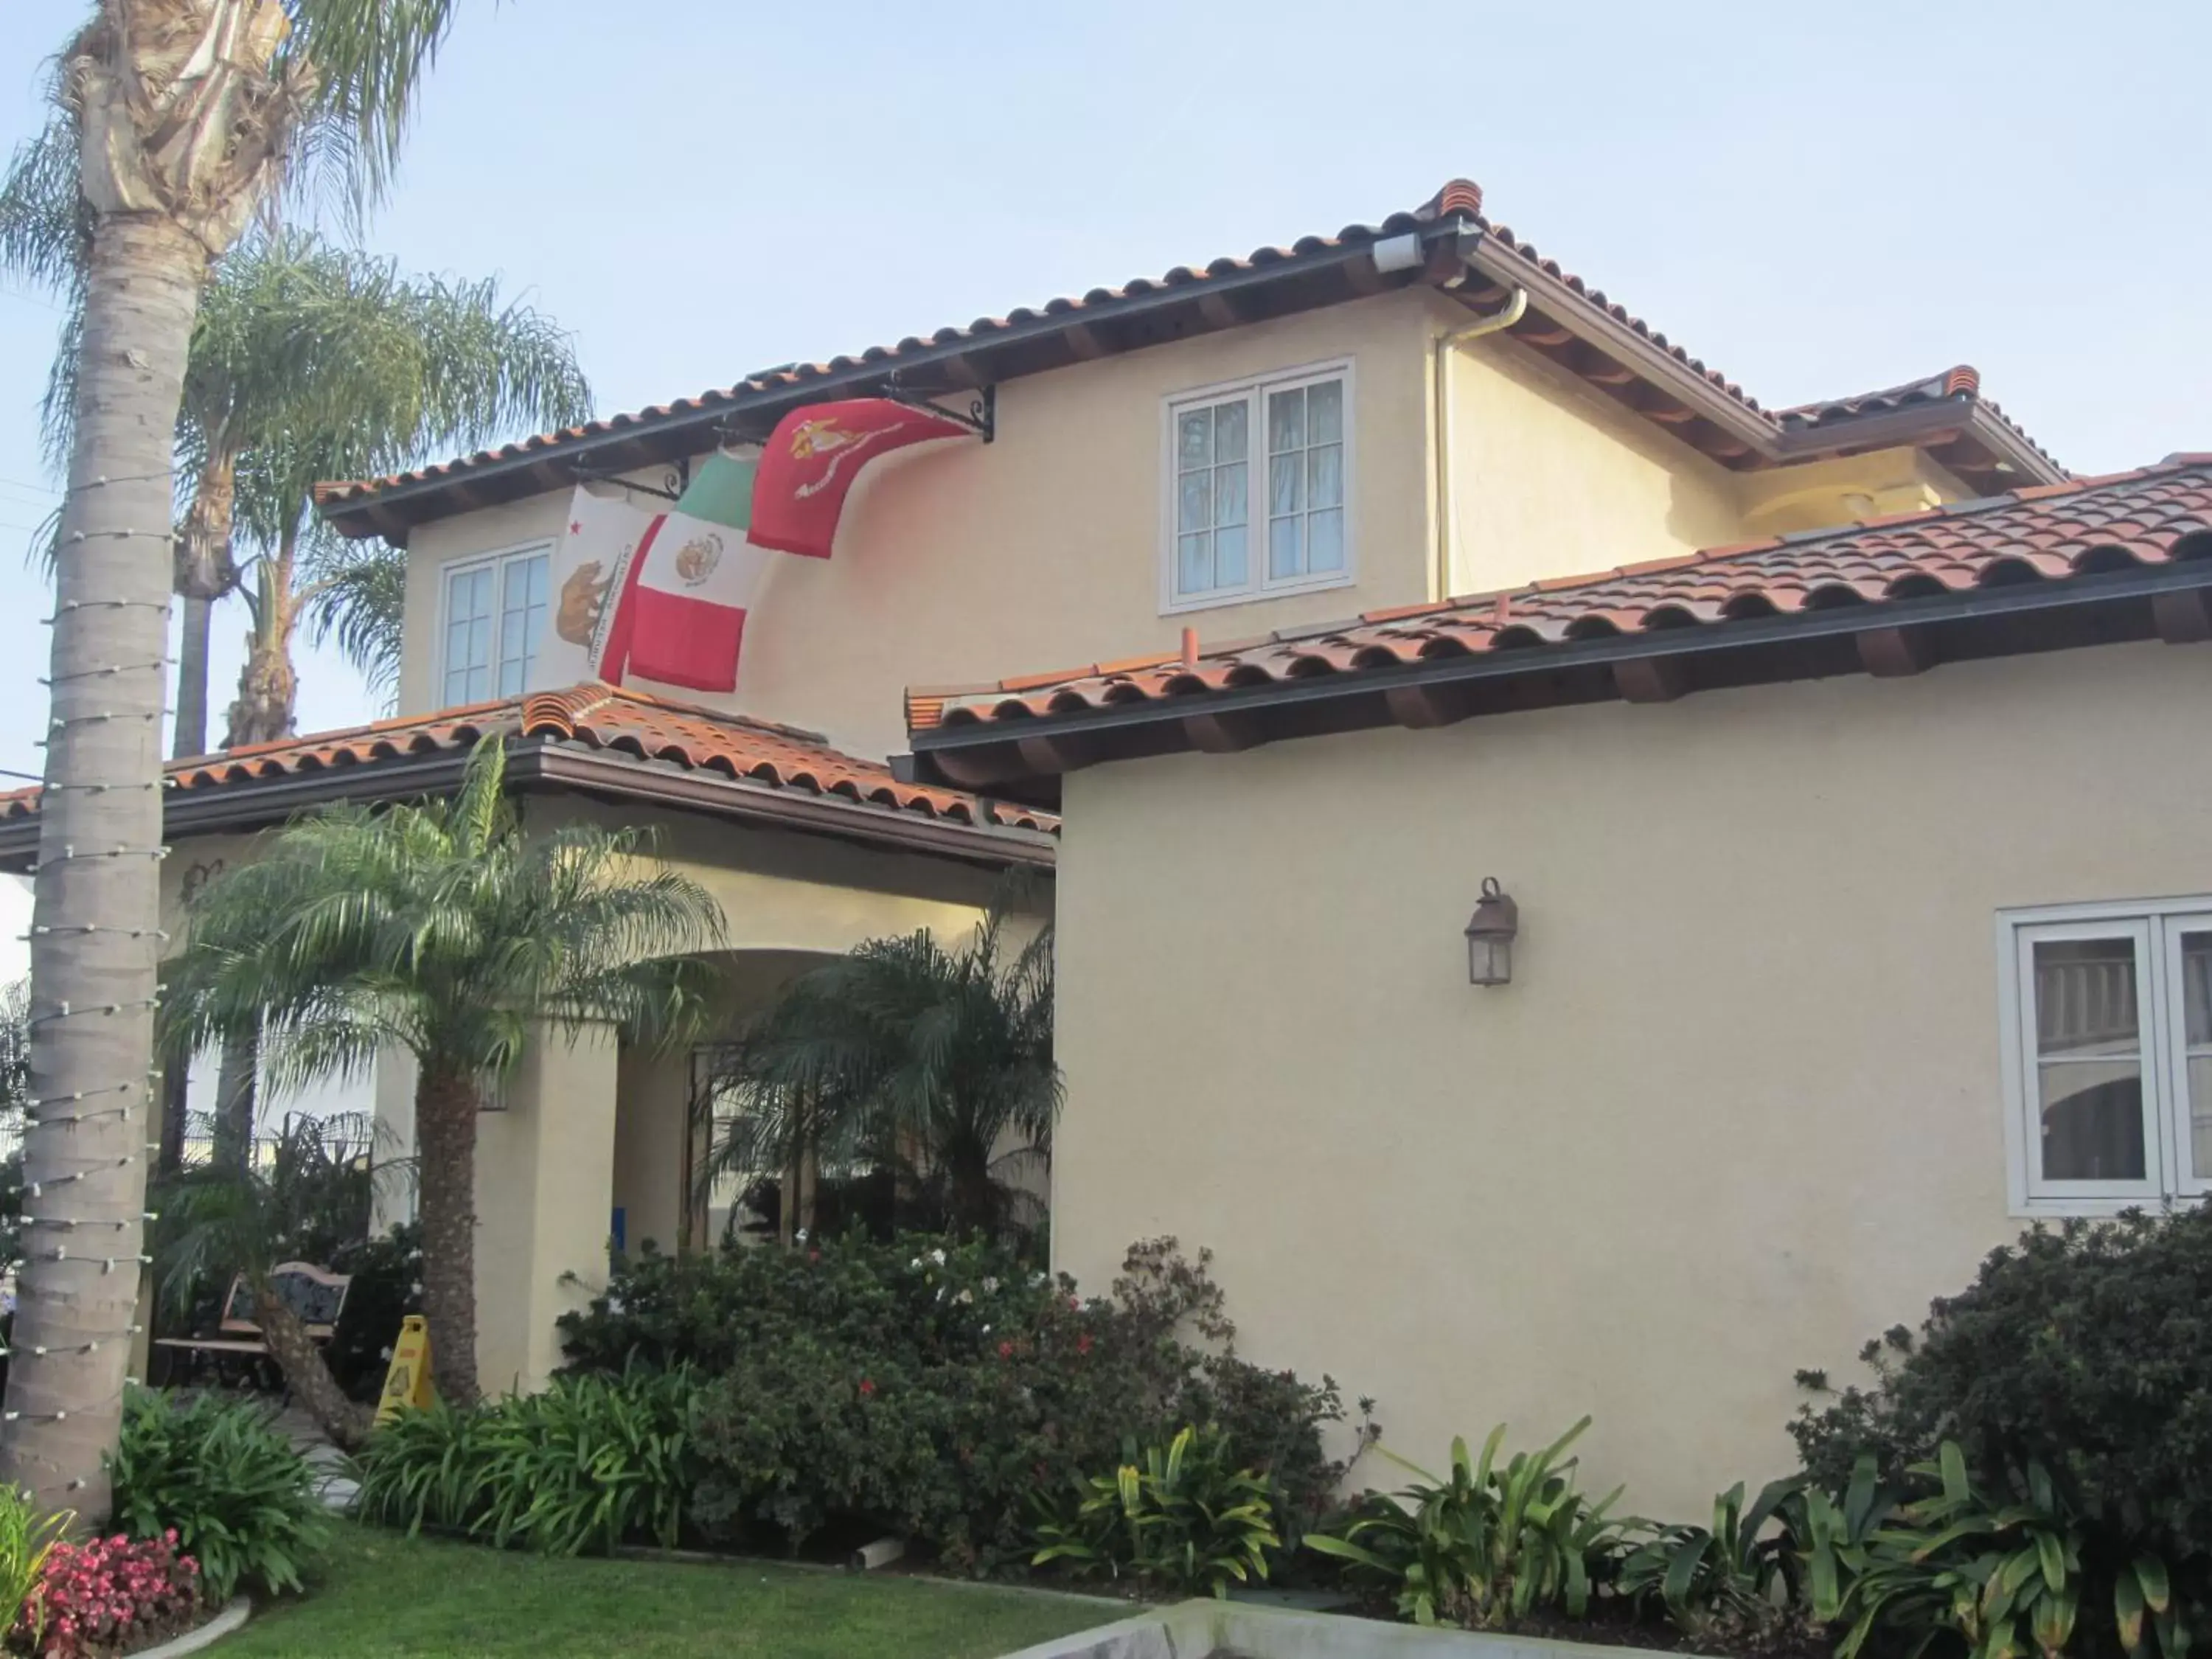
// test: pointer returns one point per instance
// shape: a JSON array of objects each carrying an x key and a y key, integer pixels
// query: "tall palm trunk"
[
  {"x": 445, "y": 1184},
  {"x": 97, "y": 890},
  {"x": 268, "y": 685},
  {"x": 204, "y": 574}
]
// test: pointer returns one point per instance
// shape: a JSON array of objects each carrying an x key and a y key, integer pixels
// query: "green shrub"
[
  {"x": 2003, "y": 1573},
  {"x": 426, "y": 1468},
  {"x": 214, "y": 1468},
  {"x": 1728, "y": 1581},
  {"x": 929, "y": 1389},
  {"x": 586, "y": 1464},
  {"x": 25, "y": 1540},
  {"x": 1185, "y": 1519},
  {"x": 1487, "y": 1546},
  {"x": 387, "y": 1286},
  {"x": 2087, "y": 1349}
]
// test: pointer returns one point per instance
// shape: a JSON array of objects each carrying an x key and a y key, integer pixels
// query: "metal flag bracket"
[{"x": 980, "y": 417}]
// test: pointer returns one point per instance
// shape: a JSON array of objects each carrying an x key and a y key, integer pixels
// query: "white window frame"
[
  {"x": 2156, "y": 927},
  {"x": 496, "y": 560},
  {"x": 1254, "y": 389}
]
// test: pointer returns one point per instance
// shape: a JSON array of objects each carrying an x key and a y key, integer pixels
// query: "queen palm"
[
  {"x": 313, "y": 361},
  {"x": 935, "y": 1062},
  {"x": 187, "y": 118},
  {"x": 445, "y": 929}
]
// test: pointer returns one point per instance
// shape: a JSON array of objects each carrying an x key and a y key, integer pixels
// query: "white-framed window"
[
  {"x": 1258, "y": 487},
  {"x": 494, "y": 618},
  {"x": 2107, "y": 1020}
]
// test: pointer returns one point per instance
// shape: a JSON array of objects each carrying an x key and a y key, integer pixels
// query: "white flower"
[
  {"x": 990, "y": 1287},
  {"x": 938, "y": 1256},
  {"x": 965, "y": 1296},
  {"x": 1039, "y": 1278},
  {"x": 800, "y": 1235},
  {"x": 987, "y": 1330},
  {"x": 916, "y": 1262}
]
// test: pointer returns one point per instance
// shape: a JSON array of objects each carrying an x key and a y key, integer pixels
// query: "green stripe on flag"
[{"x": 720, "y": 492}]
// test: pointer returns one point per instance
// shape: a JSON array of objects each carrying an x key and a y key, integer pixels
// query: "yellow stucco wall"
[
  {"x": 1553, "y": 478},
  {"x": 1740, "y": 1110}
]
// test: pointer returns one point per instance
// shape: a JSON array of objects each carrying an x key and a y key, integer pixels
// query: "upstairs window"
[
  {"x": 1258, "y": 489},
  {"x": 495, "y": 619},
  {"x": 2109, "y": 1055}
]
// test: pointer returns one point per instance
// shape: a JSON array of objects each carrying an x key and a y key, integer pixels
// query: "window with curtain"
[
  {"x": 1258, "y": 490},
  {"x": 2110, "y": 1062},
  {"x": 496, "y": 612}
]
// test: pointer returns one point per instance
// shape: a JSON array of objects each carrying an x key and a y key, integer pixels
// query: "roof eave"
[
  {"x": 1024, "y": 756},
  {"x": 536, "y": 764},
  {"x": 936, "y": 368}
]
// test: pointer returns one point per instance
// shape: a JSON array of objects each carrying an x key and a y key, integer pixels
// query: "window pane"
[
  {"x": 1229, "y": 437},
  {"x": 1193, "y": 568},
  {"x": 1194, "y": 438},
  {"x": 1287, "y": 421},
  {"x": 1229, "y": 569},
  {"x": 2091, "y": 1121},
  {"x": 1285, "y": 479},
  {"x": 1325, "y": 475},
  {"x": 2197, "y": 988},
  {"x": 2196, "y": 1033},
  {"x": 1283, "y": 548},
  {"x": 1325, "y": 540},
  {"x": 1194, "y": 504},
  {"x": 2088, "y": 1035},
  {"x": 1230, "y": 506},
  {"x": 2085, "y": 998},
  {"x": 1325, "y": 412}
]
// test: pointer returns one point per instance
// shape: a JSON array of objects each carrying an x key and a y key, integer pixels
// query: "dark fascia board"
[
  {"x": 1916, "y": 425},
  {"x": 540, "y": 764},
  {"x": 693, "y": 430},
  {"x": 1689, "y": 641}
]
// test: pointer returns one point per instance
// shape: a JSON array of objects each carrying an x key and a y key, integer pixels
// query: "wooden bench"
[{"x": 315, "y": 1294}]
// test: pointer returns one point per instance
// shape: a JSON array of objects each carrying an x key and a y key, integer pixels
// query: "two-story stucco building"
[{"x": 1771, "y": 1070}]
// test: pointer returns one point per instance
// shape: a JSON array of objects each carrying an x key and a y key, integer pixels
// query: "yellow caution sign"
[{"x": 407, "y": 1381}]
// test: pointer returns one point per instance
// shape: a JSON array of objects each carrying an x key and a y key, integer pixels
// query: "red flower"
[
  {"x": 867, "y": 1390},
  {"x": 1006, "y": 1351},
  {"x": 1082, "y": 1342},
  {"x": 814, "y": 1255}
]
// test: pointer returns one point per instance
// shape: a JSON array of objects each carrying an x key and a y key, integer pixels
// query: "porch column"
[{"x": 545, "y": 1191}]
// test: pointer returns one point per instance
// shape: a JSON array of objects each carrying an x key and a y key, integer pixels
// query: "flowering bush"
[
  {"x": 108, "y": 1595},
  {"x": 931, "y": 1389}
]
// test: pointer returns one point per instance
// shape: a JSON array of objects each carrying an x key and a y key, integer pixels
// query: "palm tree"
[
  {"x": 218, "y": 1220},
  {"x": 442, "y": 929},
  {"x": 936, "y": 1063},
  {"x": 334, "y": 365},
  {"x": 187, "y": 117}
]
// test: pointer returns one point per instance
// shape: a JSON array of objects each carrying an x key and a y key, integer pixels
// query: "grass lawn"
[{"x": 384, "y": 1594}]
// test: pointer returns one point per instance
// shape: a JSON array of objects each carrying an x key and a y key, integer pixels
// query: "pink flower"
[{"x": 867, "y": 1390}]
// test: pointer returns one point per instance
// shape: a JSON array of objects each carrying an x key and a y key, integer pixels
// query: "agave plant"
[{"x": 1488, "y": 1545}]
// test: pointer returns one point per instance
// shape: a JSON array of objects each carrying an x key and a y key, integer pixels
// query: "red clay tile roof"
[
  {"x": 596, "y": 716},
  {"x": 1961, "y": 383},
  {"x": 2154, "y": 516},
  {"x": 1459, "y": 202}
]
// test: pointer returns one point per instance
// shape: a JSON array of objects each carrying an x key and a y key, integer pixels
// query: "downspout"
[{"x": 1516, "y": 308}]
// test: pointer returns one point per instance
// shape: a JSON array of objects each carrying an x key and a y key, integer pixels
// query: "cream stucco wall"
[
  {"x": 1740, "y": 1108},
  {"x": 1040, "y": 550},
  {"x": 1553, "y": 478}
]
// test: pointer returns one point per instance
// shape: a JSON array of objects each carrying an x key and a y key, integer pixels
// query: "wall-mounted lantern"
[{"x": 1490, "y": 934}]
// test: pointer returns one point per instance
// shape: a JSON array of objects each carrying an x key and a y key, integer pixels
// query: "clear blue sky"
[{"x": 1815, "y": 199}]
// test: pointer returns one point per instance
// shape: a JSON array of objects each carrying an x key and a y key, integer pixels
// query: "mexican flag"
[
  {"x": 656, "y": 596},
  {"x": 665, "y": 595}
]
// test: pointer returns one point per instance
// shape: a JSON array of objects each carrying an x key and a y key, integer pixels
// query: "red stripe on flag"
[
  {"x": 679, "y": 641},
  {"x": 622, "y": 628}
]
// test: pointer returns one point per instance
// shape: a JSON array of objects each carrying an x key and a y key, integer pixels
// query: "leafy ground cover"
[{"x": 383, "y": 1596}]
